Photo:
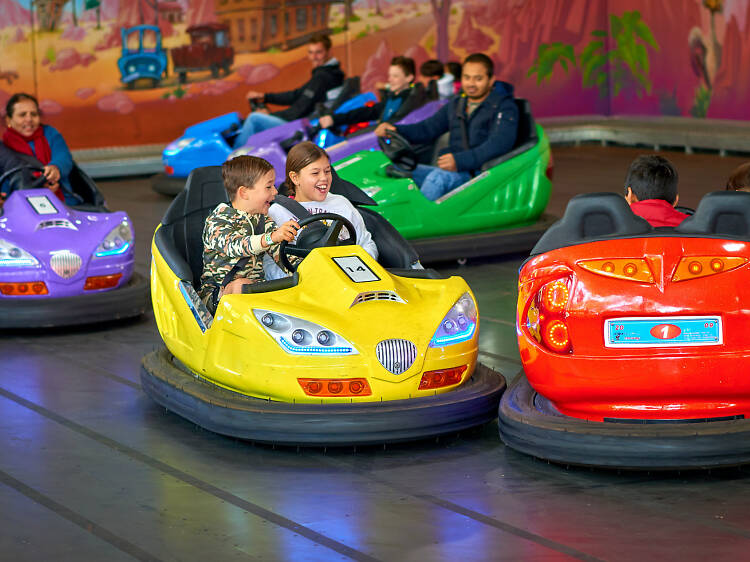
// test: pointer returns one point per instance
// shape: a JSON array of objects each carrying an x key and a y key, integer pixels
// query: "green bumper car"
[{"x": 499, "y": 211}]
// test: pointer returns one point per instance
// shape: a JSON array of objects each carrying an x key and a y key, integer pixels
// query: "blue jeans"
[
  {"x": 255, "y": 123},
  {"x": 435, "y": 182}
]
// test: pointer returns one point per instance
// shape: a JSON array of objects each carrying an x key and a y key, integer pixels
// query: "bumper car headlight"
[
  {"x": 459, "y": 325},
  {"x": 242, "y": 151},
  {"x": 300, "y": 337},
  {"x": 176, "y": 146},
  {"x": 117, "y": 241},
  {"x": 13, "y": 256}
]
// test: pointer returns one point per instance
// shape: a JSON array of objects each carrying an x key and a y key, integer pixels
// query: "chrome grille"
[
  {"x": 377, "y": 296},
  {"x": 56, "y": 223},
  {"x": 66, "y": 264},
  {"x": 396, "y": 355}
]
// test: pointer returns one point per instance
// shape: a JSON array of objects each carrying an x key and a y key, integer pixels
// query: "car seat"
[
  {"x": 720, "y": 213},
  {"x": 589, "y": 217},
  {"x": 526, "y": 135},
  {"x": 350, "y": 88},
  {"x": 180, "y": 238}
]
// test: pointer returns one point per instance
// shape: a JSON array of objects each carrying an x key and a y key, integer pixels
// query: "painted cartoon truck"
[
  {"x": 143, "y": 58},
  {"x": 209, "y": 49}
]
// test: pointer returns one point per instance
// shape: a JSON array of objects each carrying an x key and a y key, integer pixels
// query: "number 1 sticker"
[{"x": 356, "y": 269}]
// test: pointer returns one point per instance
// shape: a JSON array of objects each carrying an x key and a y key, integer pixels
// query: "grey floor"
[{"x": 91, "y": 469}]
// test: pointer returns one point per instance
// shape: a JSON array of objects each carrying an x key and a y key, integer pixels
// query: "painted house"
[{"x": 257, "y": 25}]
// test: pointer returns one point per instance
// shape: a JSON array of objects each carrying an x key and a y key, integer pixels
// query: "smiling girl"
[{"x": 309, "y": 178}]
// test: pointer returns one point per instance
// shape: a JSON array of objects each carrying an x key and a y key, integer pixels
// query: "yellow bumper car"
[{"x": 346, "y": 351}]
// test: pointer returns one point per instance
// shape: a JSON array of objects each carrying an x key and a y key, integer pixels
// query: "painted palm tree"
[{"x": 614, "y": 59}]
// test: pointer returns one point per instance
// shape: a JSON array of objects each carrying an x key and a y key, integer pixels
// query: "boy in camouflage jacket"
[{"x": 236, "y": 236}]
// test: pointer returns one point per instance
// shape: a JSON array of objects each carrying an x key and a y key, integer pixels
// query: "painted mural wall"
[{"x": 686, "y": 58}]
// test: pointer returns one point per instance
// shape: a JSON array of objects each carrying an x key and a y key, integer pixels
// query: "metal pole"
[{"x": 33, "y": 49}]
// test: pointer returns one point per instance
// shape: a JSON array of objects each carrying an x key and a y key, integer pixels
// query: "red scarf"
[{"x": 16, "y": 141}]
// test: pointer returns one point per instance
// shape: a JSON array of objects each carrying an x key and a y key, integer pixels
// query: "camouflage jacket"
[{"x": 227, "y": 238}]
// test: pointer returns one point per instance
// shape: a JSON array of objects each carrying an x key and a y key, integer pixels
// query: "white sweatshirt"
[{"x": 333, "y": 203}]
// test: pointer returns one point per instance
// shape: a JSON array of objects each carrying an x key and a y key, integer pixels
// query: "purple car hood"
[{"x": 36, "y": 221}]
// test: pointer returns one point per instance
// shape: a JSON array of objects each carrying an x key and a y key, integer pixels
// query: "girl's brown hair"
[
  {"x": 740, "y": 178},
  {"x": 301, "y": 155},
  {"x": 243, "y": 170}
]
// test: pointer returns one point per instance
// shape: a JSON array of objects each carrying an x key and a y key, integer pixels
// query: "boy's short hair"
[
  {"x": 322, "y": 38},
  {"x": 483, "y": 59},
  {"x": 432, "y": 68},
  {"x": 405, "y": 63},
  {"x": 740, "y": 178},
  {"x": 454, "y": 68},
  {"x": 652, "y": 177},
  {"x": 243, "y": 170}
]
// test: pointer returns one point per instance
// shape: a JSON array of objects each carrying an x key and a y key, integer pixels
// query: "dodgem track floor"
[{"x": 92, "y": 469}]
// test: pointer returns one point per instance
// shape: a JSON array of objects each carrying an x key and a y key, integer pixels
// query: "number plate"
[
  {"x": 42, "y": 205},
  {"x": 356, "y": 269},
  {"x": 667, "y": 331}
]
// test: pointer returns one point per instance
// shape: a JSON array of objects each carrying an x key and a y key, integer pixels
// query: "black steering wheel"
[
  {"x": 398, "y": 150},
  {"x": 33, "y": 184},
  {"x": 256, "y": 104},
  {"x": 316, "y": 236}
]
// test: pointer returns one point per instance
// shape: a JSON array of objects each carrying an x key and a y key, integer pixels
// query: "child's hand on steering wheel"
[{"x": 286, "y": 231}]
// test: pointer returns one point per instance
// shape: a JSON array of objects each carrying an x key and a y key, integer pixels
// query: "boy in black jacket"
[
  {"x": 400, "y": 98},
  {"x": 326, "y": 75},
  {"x": 482, "y": 123}
]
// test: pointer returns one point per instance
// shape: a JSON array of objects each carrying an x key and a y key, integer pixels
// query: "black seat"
[
  {"x": 180, "y": 238},
  {"x": 349, "y": 89},
  {"x": 589, "y": 217},
  {"x": 83, "y": 186},
  {"x": 721, "y": 213},
  {"x": 526, "y": 135}
]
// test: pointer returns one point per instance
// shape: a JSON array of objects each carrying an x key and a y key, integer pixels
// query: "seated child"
[
  {"x": 455, "y": 69},
  {"x": 308, "y": 178},
  {"x": 437, "y": 82},
  {"x": 398, "y": 99},
  {"x": 740, "y": 178},
  {"x": 651, "y": 190},
  {"x": 236, "y": 236}
]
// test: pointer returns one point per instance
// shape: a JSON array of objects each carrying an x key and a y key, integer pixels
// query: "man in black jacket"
[
  {"x": 482, "y": 123},
  {"x": 326, "y": 75},
  {"x": 400, "y": 98}
]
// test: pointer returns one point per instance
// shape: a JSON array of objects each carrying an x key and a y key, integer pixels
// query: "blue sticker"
[{"x": 668, "y": 331}]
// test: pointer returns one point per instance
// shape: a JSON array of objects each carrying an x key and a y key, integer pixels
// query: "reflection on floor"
[{"x": 91, "y": 469}]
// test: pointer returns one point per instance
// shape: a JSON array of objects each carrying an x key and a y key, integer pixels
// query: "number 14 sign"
[{"x": 356, "y": 269}]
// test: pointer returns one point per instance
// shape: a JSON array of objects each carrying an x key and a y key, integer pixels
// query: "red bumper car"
[{"x": 634, "y": 340}]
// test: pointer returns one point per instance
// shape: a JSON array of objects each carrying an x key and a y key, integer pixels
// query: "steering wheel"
[
  {"x": 34, "y": 184},
  {"x": 256, "y": 104},
  {"x": 398, "y": 150},
  {"x": 316, "y": 236}
]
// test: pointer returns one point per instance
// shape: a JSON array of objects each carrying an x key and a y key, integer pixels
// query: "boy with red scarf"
[{"x": 26, "y": 135}]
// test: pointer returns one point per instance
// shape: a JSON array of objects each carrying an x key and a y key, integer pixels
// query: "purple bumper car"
[
  {"x": 61, "y": 265},
  {"x": 366, "y": 139}
]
